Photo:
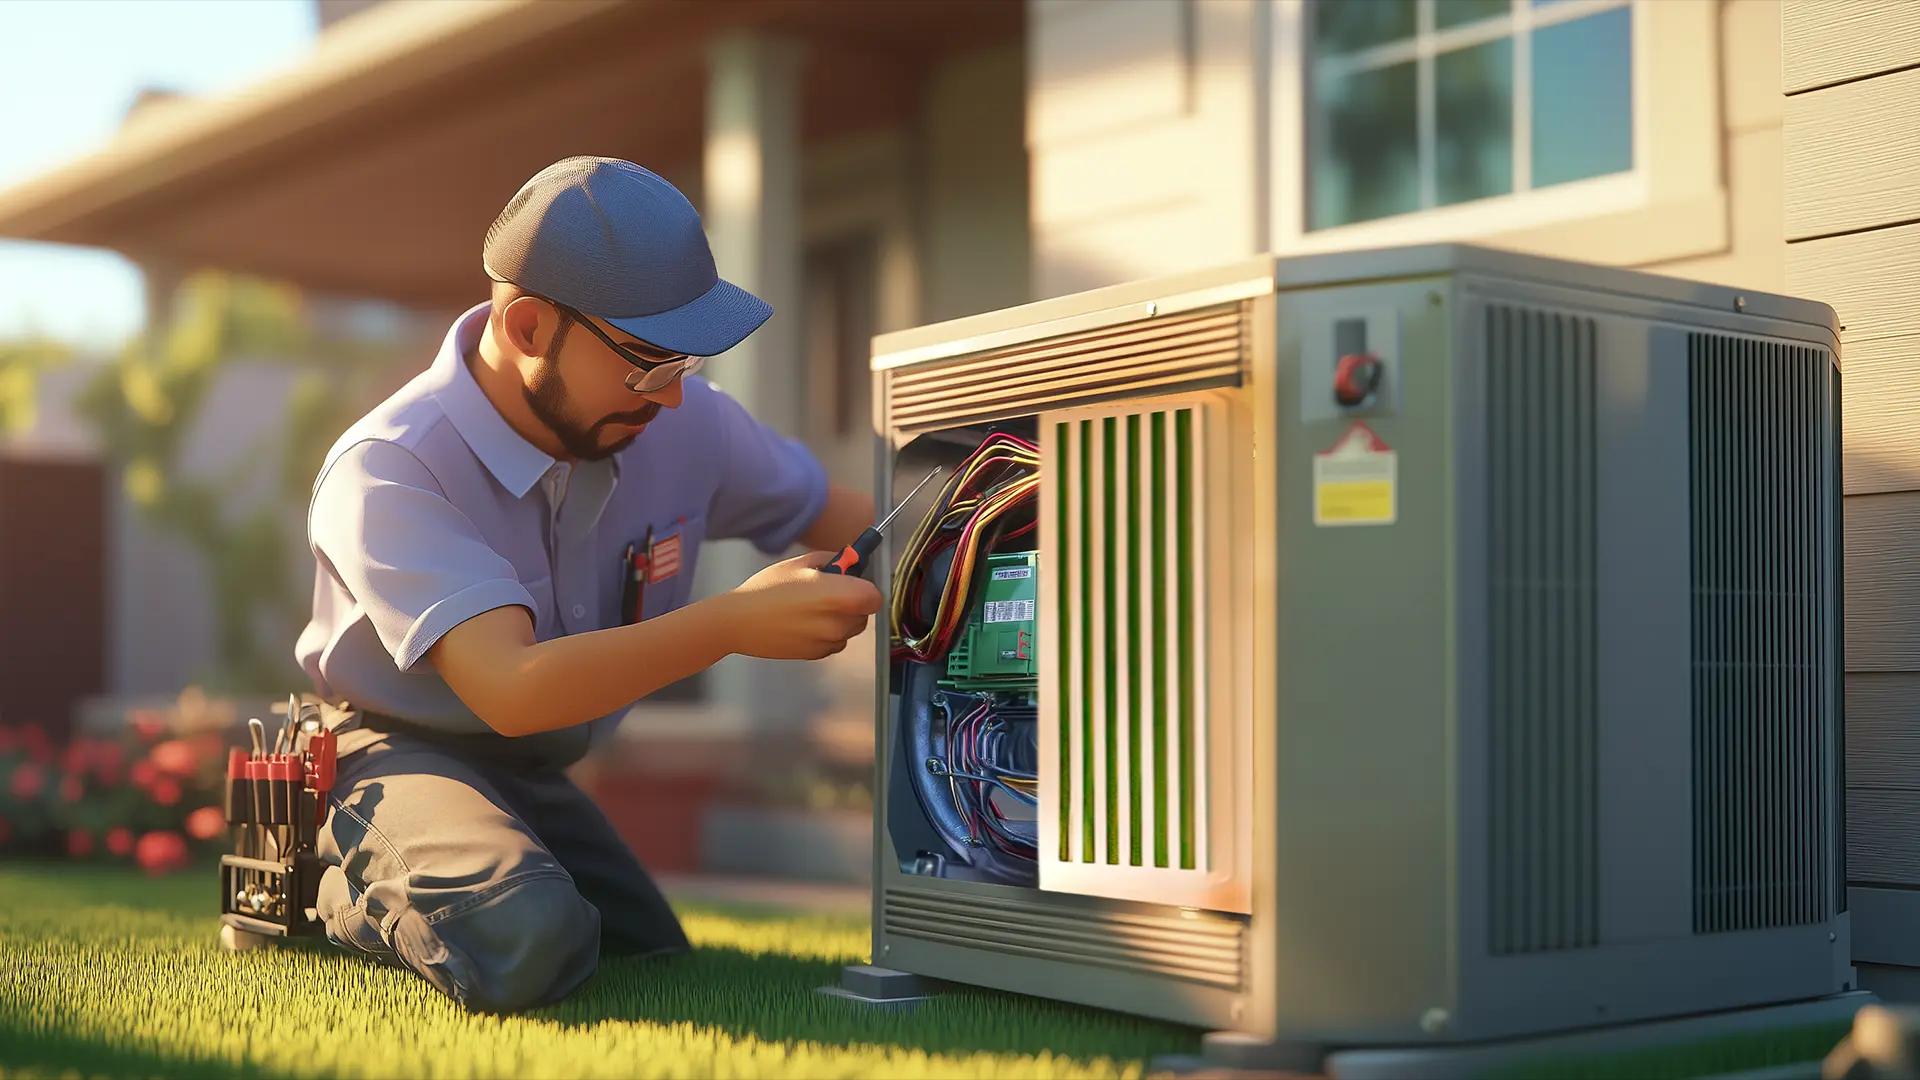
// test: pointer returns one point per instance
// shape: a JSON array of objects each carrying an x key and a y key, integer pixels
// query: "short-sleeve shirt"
[{"x": 431, "y": 509}]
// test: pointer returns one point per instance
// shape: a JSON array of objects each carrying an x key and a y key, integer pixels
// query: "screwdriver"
[{"x": 852, "y": 560}]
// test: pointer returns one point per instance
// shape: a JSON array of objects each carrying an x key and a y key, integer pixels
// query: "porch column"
[{"x": 751, "y": 206}]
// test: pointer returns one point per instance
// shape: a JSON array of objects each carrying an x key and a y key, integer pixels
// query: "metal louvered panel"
[
  {"x": 1179, "y": 352},
  {"x": 1764, "y": 692},
  {"x": 1193, "y": 948},
  {"x": 1134, "y": 507},
  {"x": 1541, "y": 528}
]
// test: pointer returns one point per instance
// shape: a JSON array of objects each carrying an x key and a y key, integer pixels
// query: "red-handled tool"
[{"x": 852, "y": 560}]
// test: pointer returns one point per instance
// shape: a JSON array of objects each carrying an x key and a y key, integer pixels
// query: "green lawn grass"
[{"x": 107, "y": 973}]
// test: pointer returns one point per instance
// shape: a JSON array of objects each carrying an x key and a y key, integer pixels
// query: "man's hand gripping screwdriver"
[{"x": 852, "y": 560}]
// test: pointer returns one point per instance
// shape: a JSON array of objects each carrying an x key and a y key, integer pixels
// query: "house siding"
[
  {"x": 1751, "y": 117},
  {"x": 1144, "y": 133},
  {"x": 1852, "y": 155}
]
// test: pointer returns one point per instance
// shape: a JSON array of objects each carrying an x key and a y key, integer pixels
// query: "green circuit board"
[{"x": 997, "y": 648}]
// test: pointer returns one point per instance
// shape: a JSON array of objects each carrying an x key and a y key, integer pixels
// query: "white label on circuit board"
[
  {"x": 1013, "y": 572},
  {"x": 1009, "y": 611}
]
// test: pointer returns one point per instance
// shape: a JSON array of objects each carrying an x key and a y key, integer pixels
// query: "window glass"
[
  {"x": 1403, "y": 117},
  {"x": 1473, "y": 121},
  {"x": 1583, "y": 98},
  {"x": 1368, "y": 159},
  {"x": 1346, "y": 26},
  {"x": 1448, "y": 13}
]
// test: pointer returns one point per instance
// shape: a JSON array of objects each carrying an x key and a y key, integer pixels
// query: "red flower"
[
  {"x": 147, "y": 724},
  {"x": 165, "y": 791},
  {"x": 8, "y": 739},
  {"x": 120, "y": 841},
  {"x": 206, "y": 823},
  {"x": 108, "y": 759},
  {"x": 29, "y": 780},
  {"x": 79, "y": 843},
  {"x": 71, "y": 788},
  {"x": 37, "y": 745},
  {"x": 175, "y": 756},
  {"x": 161, "y": 852},
  {"x": 144, "y": 773}
]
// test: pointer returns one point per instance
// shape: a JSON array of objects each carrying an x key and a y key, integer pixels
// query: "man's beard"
[{"x": 547, "y": 396}]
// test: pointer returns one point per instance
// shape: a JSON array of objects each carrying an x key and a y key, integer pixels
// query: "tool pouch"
[{"x": 276, "y": 803}]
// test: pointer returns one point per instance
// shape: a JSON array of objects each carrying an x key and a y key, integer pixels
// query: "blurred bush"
[
  {"x": 151, "y": 794},
  {"x": 143, "y": 404}
]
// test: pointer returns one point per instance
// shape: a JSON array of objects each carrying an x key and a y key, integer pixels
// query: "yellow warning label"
[
  {"x": 1353, "y": 483},
  {"x": 1368, "y": 502}
]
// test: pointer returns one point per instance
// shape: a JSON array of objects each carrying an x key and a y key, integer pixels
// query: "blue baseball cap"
[{"x": 613, "y": 240}]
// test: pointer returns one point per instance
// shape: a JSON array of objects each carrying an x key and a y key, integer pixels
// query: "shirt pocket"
[{"x": 677, "y": 557}]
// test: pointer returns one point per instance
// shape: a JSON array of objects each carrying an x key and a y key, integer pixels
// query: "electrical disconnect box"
[{"x": 1400, "y": 648}]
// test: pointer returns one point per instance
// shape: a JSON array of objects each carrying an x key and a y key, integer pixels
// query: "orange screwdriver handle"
[
  {"x": 852, "y": 560},
  {"x": 846, "y": 563}
]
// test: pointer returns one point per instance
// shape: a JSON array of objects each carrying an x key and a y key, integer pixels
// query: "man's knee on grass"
[{"x": 526, "y": 941}]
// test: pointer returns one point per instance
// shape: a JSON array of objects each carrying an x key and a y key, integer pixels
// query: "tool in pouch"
[
  {"x": 852, "y": 560},
  {"x": 276, "y": 801}
]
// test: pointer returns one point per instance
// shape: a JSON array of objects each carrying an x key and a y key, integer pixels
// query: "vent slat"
[
  {"x": 1210, "y": 951},
  {"x": 1765, "y": 721},
  {"x": 1218, "y": 335},
  {"x": 911, "y": 400},
  {"x": 1183, "y": 926},
  {"x": 1192, "y": 350},
  {"x": 1216, "y": 959},
  {"x": 1124, "y": 335},
  {"x": 1041, "y": 949},
  {"x": 1180, "y": 381},
  {"x": 1543, "y": 831},
  {"x": 1133, "y": 745},
  {"x": 1092, "y": 577}
]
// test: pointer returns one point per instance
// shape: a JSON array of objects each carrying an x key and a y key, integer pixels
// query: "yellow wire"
[{"x": 944, "y": 515}]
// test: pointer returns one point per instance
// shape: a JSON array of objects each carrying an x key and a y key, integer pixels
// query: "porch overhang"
[{"x": 373, "y": 166}]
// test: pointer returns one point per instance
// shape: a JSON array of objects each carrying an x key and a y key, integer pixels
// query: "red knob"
[{"x": 1356, "y": 376}]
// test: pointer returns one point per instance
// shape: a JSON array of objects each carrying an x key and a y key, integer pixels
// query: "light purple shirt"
[{"x": 431, "y": 509}]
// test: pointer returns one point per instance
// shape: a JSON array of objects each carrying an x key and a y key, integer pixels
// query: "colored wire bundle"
[
  {"x": 985, "y": 755},
  {"x": 991, "y": 497}
]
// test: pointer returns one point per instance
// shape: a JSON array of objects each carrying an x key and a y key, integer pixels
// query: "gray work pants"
[{"x": 498, "y": 882}]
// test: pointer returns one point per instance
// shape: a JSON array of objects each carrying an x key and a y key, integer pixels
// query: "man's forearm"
[
  {"x": 845, "y": 516},
  {"x": 572, "y": 679}
]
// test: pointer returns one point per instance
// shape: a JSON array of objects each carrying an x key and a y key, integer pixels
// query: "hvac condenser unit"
[{"x": 1408, "y": 647}]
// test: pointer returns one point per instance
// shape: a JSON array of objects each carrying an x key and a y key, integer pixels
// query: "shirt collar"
[{"x": 516, "y": 463}]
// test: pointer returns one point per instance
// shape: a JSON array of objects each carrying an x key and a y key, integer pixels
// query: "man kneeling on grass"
[{"x": 472, "y": 535}]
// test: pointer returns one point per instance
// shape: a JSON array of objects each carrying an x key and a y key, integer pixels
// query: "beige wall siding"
[
  {"x": 1883, "y": 582},
  {"x": 1750, "y": 77},
  {"x": 1872, "y": 278},
  {"x": 1145, "y": 124},
  {"x": 1143, "y": 128},
  {"x": 975, "y": 170},
  {"x": 1852, "y": 191},
  {"x": 1754, "y": 254},
  {"x": 1883, "y": 745},
  {"x": 1854, "y": 158},
  {"x": 1832, "y": 41},
  {"x": 1881, "y": 825},
  {"x": 1880, "y": 414}
]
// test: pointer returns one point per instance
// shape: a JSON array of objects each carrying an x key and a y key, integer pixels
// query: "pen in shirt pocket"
[
  {"x": 633, "y": 580},
  {"x": 626, "y": 586},
  {"x": 642, "y": 567}
]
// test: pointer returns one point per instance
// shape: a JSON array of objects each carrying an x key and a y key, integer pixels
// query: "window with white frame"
[{"x": 1416, "y": 104}]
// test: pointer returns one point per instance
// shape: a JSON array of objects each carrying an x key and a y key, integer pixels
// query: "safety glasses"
[{"x": 649, "y": 373}]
